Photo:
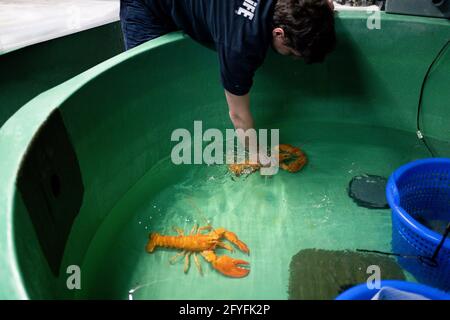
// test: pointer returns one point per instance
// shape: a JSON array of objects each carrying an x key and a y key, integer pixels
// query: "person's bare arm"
[
  {"x": 239, "y": 109},
  {"x": 241, "y": 116}
]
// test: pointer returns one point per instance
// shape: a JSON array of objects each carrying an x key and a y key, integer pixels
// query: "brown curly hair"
[{"x": 308, "y": 26}]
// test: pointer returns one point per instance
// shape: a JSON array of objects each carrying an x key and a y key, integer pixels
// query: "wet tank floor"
[{"x": 275, "y": 216}]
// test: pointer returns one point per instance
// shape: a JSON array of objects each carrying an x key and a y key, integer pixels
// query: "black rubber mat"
[
  {"x": 368, "y": 191},
  {"x": 323, "y": 274}
]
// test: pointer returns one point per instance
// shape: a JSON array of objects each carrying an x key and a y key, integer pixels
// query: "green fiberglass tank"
[{"x": 86, "y": 173}]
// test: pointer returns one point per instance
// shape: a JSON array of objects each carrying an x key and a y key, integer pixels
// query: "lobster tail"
[{"x": 152, "y": 242}]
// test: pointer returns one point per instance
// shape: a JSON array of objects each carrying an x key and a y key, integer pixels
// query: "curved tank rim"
[{"x": 19, "y": 130}]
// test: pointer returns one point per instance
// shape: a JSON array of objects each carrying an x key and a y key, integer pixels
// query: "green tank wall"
[
  {"x": 120, "y": 115},
  {"x": 28, "y": 71}
]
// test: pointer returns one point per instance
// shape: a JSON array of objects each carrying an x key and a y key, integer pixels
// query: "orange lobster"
[
  {"x": 291, "y": 158},
  {"x": 205, "y": 244},
  {"x": 243, "y": 168}
]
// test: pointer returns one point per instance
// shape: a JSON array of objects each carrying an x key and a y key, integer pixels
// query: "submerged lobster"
[
  {"x": 204, "y": 244},
  {"x": 290, "y": 158},
  {"x": 245, "y": 168}
]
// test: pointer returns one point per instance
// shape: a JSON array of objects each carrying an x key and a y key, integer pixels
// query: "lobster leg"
[
  {"x": 179, "y": 231},
  {"x": 186, "y": 262},
  {"x": 175, "y": 257},
  {"x": 203, "y": 228},
  {"x": 197, "y": 263},
  {"x": 194, "y": 228},
  {"x": 232, "y": 237}
]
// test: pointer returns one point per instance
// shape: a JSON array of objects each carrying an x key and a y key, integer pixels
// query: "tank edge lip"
[
  {"x": 392, "y": 17},
  {"x": 18, "y": 132}
]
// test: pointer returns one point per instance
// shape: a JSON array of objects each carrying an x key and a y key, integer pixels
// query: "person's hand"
[{"x": 264, "y": 160}]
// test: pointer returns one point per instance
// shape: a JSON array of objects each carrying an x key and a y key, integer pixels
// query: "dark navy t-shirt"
[{"x": 239, "y": 29}]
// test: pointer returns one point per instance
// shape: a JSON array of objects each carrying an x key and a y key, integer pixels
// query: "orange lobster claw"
[
  {"x": 288, "y": 152},
  {"x": 232, "y": 237},
  {"x": 230, "y": 267}
]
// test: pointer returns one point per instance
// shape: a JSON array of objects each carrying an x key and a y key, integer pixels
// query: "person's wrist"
[{"x": 263, "y": 159}]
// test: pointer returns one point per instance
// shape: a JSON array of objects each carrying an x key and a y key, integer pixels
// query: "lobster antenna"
[{"x": 192, "y": 203}]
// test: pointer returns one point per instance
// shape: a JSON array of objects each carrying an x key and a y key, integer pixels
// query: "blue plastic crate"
[
  {"x": 362, "y": 292},
  {"x": 420, "y": 190}
]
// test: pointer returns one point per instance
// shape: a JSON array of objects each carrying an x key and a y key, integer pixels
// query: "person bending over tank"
[{"x": 241, "y": 31}]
